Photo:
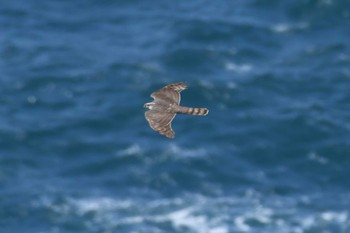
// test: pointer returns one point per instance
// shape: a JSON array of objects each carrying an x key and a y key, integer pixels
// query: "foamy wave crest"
[
  {"x": 112, "y": 214},
  {"x": 187, "y": 218},
  {"x": 193, "y": 213}
]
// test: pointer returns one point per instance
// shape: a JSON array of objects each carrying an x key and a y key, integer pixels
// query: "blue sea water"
[{"x": 272, "y": 155}]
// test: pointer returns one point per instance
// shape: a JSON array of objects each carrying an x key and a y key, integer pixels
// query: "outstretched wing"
[
  {"x": 161, "y": 122},
  {"x": 170, "y": 92}
]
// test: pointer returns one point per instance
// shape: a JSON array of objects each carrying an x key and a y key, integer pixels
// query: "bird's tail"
[{"x": 192, "y": 111}]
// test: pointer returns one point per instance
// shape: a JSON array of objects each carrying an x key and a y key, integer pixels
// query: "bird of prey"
[{"x": 165, "y": 106}]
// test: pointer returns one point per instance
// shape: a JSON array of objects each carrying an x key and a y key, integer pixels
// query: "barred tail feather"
[{"x": 194, "y": 111}]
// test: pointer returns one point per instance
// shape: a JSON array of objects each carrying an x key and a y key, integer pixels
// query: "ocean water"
[{"x": 272, "y": 155}]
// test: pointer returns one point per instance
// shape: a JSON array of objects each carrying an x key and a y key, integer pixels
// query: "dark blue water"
[{"x": 77, "y": 155}]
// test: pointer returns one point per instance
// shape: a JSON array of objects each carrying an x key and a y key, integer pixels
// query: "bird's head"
[{"x": 149, "y": 105}]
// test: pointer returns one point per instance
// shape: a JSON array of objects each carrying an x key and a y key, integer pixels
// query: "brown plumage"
[{"x": 165, "y": 106}]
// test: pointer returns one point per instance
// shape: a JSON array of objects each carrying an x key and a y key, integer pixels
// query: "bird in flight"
[{"x": 165, "y": 106}]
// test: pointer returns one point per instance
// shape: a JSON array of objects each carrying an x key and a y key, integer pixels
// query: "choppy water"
[{"x": 77, "y": 155}]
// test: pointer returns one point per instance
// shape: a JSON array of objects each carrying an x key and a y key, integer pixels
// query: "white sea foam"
[
  {"x": 31, "y": 99},
  {"x": 84, "y": 205},
  {"x": 307, "y": 222},
  {"x": 185, "y": 218},
  {"x": 132, "y": 150},
  {"x": 104, "y": 204},
  {"x": 331, "y": 216},
  {"x": 281, "y": 28},
  {"x": 260, "y": 214},
  {"x": 182, "y": 152},
  {"x": 317, "y": 158},
  {"x": 239, "y": 68},
  {"x": 263, "y": 215},
  {"x": 284, "y": 27},
  {"x": 194, "y": 213},
  {"x": 188, "y": 219},
  {"x": 241, "y": 225}
]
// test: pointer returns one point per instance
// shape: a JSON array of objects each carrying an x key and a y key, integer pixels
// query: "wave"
[{"x": 194, "y": 213}]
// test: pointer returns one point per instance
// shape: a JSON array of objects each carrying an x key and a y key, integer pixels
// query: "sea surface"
[{"x": 78, "y": 156}]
